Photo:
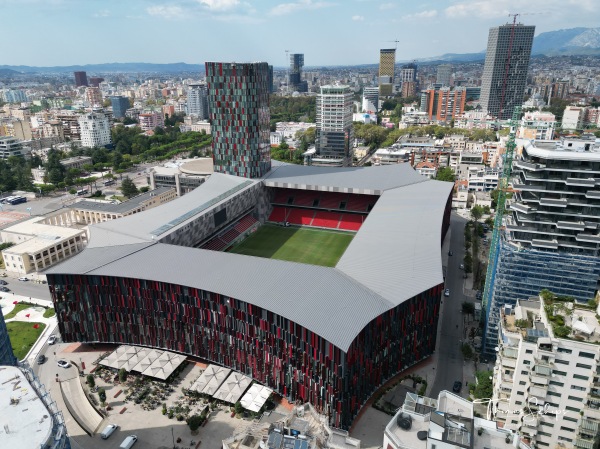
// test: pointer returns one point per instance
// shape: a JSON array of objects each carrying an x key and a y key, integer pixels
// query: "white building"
[
  {"x": 197, "y": 101},
  {"x": 95, "y": 130},
  {"x": 573, "y": 118},
  {"x": 200, "y": 126},
  {"x": 427, "y": 169},
  {"x": 547, "y": 373},
  {"x": 447, "y": 422},
  {"x": 537, "y": 125},
  {"x": 11, "y": 146},
  {"x": 474, "y": 120}
]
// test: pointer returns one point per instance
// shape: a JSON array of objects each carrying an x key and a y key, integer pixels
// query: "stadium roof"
[
  {"x": 395, "y": 255},
  {"x": 119, "y": 208}
]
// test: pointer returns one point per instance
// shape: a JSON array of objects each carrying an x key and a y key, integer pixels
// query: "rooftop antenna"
[{"x": 395, "y": 46}]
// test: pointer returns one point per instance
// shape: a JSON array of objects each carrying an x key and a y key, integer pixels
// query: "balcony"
[
  {"x": 577, "y": 226},
  {"x": 583, "y": 182},
  {"x": 594, "y": 194},
  {"x": 538, "y": 392},
  {"x": 553, "y": 202},
  {"x": 585, "y": 237},
  {"x": 529, "y": 166},
  {"x": 550, "y": 244}
]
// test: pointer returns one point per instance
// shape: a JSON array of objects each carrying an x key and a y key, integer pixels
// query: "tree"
[
  {"x": 489, "y": 221},
  {"x": 484, "y": 388},
  {"x": 194, "y": 422},
  {"x": 468, "y": 308},
  {"x": 122, "y": 375},
  {"x": 128, "y": 188},
  {"x": 238, "y": 408},
  {"x": 91, "y": 381},
  {"x": 102, "y": 394},
  {"x": 445, "y": 174},
  {"x": 467, "y": 351},
  {"x": 476, "y": 212}
]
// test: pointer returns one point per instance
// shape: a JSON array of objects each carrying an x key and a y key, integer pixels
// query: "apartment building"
[
  {"x": 547, "y": 373},
  {"x": 11, "y": 146},
  {"x": 537, "y": 125},
  {"x": 150, "y": 120},
  {"x": 95, "y": 130},
  {"x": 573, "y": 118}
]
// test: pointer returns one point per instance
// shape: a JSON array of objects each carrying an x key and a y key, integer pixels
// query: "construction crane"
[{"x": 395, "y": 46}]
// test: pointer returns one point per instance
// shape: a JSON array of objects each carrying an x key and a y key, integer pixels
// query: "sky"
[{"x": 328, "y": 32}]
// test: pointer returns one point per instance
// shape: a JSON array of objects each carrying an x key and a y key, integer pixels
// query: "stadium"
[{"x": 321, "y": 283}]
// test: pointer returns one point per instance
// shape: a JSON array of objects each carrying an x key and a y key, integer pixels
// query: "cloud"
[
  {"x": 386, "y": 6},
  {"x": 422, "y": 15},
  {"x": 219, "y": 5},
  {"x": 238, "y": 18},
  {"x": 167, "y": 11},
  {"x": 287, "y": 8},
  {"x": 102, "y": 13},
  {"x": 485, "y": 9},
  {"x": 358, "y": 18}
]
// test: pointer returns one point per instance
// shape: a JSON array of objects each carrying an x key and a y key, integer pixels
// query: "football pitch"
[{"x": 304, "y": 245}]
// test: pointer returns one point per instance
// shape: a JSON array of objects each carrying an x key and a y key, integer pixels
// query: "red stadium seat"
[{"x": 351, "y": 222}]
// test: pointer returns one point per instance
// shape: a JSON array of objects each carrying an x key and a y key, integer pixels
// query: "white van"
[
  {"x": 108, "y": 431},
  {"x": 128, "y": 442}
]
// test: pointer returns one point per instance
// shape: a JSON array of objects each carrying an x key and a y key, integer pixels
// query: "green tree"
[
  {"x": 195, "y": 422},
  {"x": 128, "y": 188},
  {"x": 102, "y": 394},
  {"x": 468, "y": 308},
  {"x": 445, "y": 174},
  {"x": 476, "y": 212},
  {"x": 484, "y": 388},
  {"x": 238, "y": 408},
  {"x": 467, "y": 351},
  {"x": 122, "y": 375},
  {"x": 91, "y": 381}
]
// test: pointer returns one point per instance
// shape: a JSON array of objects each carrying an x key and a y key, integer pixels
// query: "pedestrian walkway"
[{"x": 79, "y": 406}]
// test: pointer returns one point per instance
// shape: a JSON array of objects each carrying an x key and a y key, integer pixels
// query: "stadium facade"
[{"x": 325, "y": 335}]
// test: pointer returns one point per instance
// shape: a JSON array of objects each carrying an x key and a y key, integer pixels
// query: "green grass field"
[
  {"x": 23, "y": 336},
  {"x": 18, "y": 308},
  {"x": 304, "y": 245}
]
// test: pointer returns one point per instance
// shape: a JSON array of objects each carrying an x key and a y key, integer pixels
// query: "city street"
[{"x": 450, "y": 363}]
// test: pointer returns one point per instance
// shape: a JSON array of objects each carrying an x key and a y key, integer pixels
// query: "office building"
[
  {"x": 93, "y": 97},
  {"x": 505, "y": 69},
  {"x": 95, "y": 81},
  {"x": 387, "y": 63},
  {"x": 7, "y": 357},
  {"x": 29, "y": 416},
  {"x": 119, "y": 106},
  {"x": 408, "y": 73},
  {"x": 334, "y": 135},
  {"x": 444, "y": 74},
  {"x": 370, "y": 99},
  {"x": 444, "y": 104},
  {"x": 197, "y": 101},
  {"x": 238, "y": 103},
  {"x": 270, "y": 85},
  {"x": 80, "y": 79},
  {"x": 95, "y": 130},
  {"x": 327, "y": 335},
  {"x": 11, "y": 146},
  {"x": 13, "y": 96},
  {"x": 547, "y": 374},
  {"x": 551, "y": 239},
  {"x": 295, "y": 82}
]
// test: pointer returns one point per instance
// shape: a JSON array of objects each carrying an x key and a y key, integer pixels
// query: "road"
[
  {"x": 449, "y": 358},
  {"x": 30, "y": 289}
]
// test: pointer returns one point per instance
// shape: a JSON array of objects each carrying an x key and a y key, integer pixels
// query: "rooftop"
[
  {"x": 26, "y": 421},
  {"x": 120, "y": 208},
  {"x": 564, "y": 149}
]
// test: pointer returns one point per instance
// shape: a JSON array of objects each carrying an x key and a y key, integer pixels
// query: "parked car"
[
  {"x": 4, "y": 289},
  {"x": 41, "y": 359},
  {"x": 457, "y": 386},
  {"x": 108, "y": 431},
  {"x": 52, "y": 339},
  {"x": 447, "y": 292},
  {"x": 23, "y": 279},
  {"x": 3, "y": 282},
  {"x": 462, "y": 266},
  {"x": 63, "y": 363},
  {"x": 128, "y": 442}
]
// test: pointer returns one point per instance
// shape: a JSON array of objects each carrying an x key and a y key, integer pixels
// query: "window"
[
  {"x": 526, "y": 362},
  {"x": 519, "y": 402},
  {"x": 580, "y": 377},
  {"x": 572, "y": 409},
  {"x": 522, "y": 382},
  {"x": 547, "y": 424},
  {"x": 565, "y": 350},
  {"x": 528, "y": 351},
  {"x": 568, "y": 429},
  {"x": 544, "y": 433},
  {"x": 564, "y": 439},
  {"x": 582, "y": 365},
  {"x": 562, "y": 362},
  {"x": 558, "y": 384},
  {"x": 575, "y": 398},
  {"x": 520, "y": 393},
  {"x": 553, "y": 393},
  {"x": 578, "y": 388},
  {"x": 559, "y": 373},
  {"x": 525, "y": 372},
  {"x": 587, "y": 355}
]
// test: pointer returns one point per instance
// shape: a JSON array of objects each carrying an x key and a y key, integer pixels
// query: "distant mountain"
[
  {"x": 5, "y": 73},
  {"x": 456, "y": 57},
  {"x": 573, "y": 41},
  {"x": 115, "y": 67}
]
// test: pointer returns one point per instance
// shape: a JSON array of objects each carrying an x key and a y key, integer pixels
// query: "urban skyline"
[{"x": 327, "y": 21}]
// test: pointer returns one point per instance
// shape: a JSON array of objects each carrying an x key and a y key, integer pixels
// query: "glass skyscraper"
[
  {"x": 119, "y": 106},
  {"x": 6, "y": 353},
  {"x": 238, "y": 101}
]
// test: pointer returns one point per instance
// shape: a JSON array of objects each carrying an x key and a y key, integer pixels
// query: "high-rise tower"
[
  {"x": 387, "y": 62},
  {"x": 238, "y": 101},
  {"x": 334, "y": 126},
  {"x": 444, "y": 74},
  {"x": 295, "y": 81},
  {"x": 7, "y": 356},
  {"x": 80, "y": 79},
  {"x": 505, "y": 70},
  {"x": 197, "y": 101}
]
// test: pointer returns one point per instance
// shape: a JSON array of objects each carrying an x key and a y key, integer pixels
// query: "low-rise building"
[
  {"x": 573, "y": 118},
  {"x": 547, "y": 372},
  {"x": 537, "y": 125},
  {"x": 75, "y": 162},
  {"x": 427, "y": 169},
  {"x": 182, "y": 175},
  {"x": 151, "y": 120},
  {"x": 38, "y": 246}
]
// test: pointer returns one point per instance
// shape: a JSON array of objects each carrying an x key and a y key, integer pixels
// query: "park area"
[
  {"x": 303, "y": 245},
  {"x": 23, "y": 335}
]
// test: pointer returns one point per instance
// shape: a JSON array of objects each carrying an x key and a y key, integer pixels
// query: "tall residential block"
[
  {"x": 547, "y": 374},
  {"x": 444, "y": 74},
  {"x": 270, "y": 82},
  {"x": 505, "y": 69},
  {"x": 295, "y": 75},
  {"x": 93, "y": 97},
  {"x": 444, "y": 104},
  {"x": 95, "y": 81},
  {"x": 408, "y": 72},
  {"x": 119, "y": 106},
  {"x": 334, "y": 133},
  {"x": 80, "y": 79},
  {"x": 370, "y": 99},
  {"x": 95, "y": 130},
  {"x": 551, "y": 239},
  {"x": 238, "y": 103},
  {"x": 387, "y": 63},
  {"x": 197, "y": 101}
]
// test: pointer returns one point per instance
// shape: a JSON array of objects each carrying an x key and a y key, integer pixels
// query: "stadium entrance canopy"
[{"x": 149, "y": 362}]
